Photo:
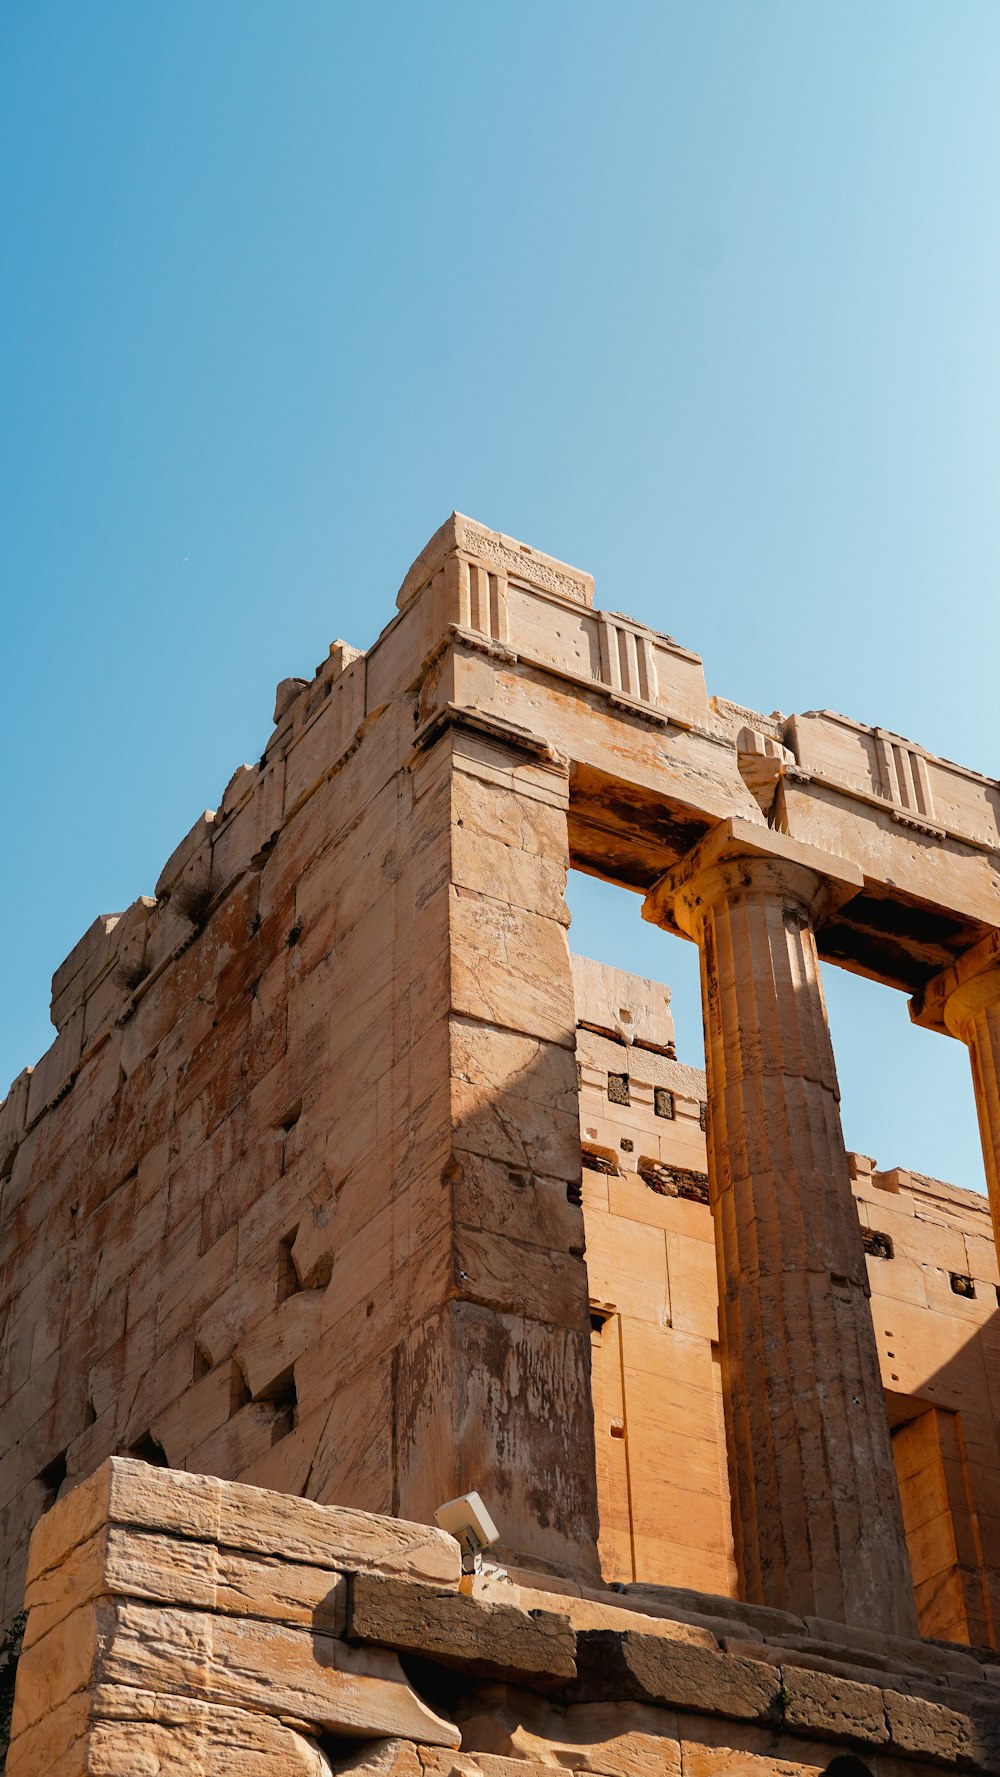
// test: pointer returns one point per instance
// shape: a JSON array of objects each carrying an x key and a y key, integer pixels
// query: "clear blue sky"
[{"x": 701, "y": 295}]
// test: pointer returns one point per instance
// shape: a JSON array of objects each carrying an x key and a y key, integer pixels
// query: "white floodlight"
[{"x": 468, "y": 1521}]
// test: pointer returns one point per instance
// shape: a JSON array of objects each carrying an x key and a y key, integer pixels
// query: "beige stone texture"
[
  {"x": 144, "y": 1732},
  {"x": 239, "y": 1662},
  {"x": 295, "y": 1199},
  {"x": 152, "y": 1644},
  {"x": 623, "y": 1007},
  {"x": 469, "y": 1631},
  {"x": 224, "y": 1607},
  {"x": 616, "y": 1739}
]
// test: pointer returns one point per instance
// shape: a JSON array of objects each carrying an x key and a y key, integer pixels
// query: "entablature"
[{"x": 487, "y": 625}]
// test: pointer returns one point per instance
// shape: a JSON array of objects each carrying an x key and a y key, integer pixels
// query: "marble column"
[
  {"x": 816, "y": 1514},
  {"x": 964, "y": 1001}
]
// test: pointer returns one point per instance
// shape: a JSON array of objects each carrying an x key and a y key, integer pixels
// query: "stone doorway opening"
[
  {"x": 660, "y": 1438},
  {"x": 662, "y": 1478}
]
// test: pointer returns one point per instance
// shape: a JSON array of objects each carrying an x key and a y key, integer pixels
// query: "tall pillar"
[
  {"x": 491, "y": 1360},
  {"x": 964, "y": 1001},
  {"x": 816, "y": 1515}
]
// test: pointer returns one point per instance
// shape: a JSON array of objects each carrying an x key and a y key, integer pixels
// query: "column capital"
[
  {"x": 738, "y": 854},
  {"x": 949, "y": 1000}
]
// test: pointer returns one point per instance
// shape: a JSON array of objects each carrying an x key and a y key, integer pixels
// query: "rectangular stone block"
[
  {"x": 444, "y": 1381},
  {"x": 918, "y": 1728},
  {"x": 233, "y": 1661},
  {"x": 244, "y": 1518},
  {"x": 819, "y": 1703},
  {"x": 511, "y": 968},
  {"x": 650, "y": 1669},
  {"x": 490, "y": 1639}
]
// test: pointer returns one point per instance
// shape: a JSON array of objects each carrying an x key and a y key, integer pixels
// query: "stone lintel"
[{"x": 735, "y": 842}]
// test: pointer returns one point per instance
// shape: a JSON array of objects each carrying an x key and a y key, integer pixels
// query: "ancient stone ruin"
[{"x": 345, "y": 1189}]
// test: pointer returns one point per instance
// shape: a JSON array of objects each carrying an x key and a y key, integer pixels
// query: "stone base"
[{"x": 181, "y": 1624}]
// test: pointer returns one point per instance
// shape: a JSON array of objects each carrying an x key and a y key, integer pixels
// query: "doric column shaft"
[
  {"x": 965, "y": 1001},
  {"x": 817, "y": 1521}
]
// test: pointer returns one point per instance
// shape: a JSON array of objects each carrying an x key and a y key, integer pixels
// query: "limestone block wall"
[
  {"x": 167, "y": 1206},
  {"x": 934, "y": 1280},
  {"x": 654, "y": 1300},
  {"x": 294, "y": 1195}
]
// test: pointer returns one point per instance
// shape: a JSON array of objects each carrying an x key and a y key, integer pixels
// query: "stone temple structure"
[{"x": 345, "y": 1189}]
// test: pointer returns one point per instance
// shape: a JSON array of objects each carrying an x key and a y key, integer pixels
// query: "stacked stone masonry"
[
  {"x": 662, "y": 1472},
  {"x": 189, "y": 1627},
  {"x": 296, "y": 1199}
]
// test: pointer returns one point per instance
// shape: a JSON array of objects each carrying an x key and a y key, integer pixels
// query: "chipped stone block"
[
  {"x": 130, "y": 944},
  {"x": 819, "y": 1703},
  {"x": 219, "y": 1743},
  {"x": 333, "y": 714},
  {"x": 506, "y": 1732},
  {"x": 617, "y": 1004},
  {"x": 229, "y": 1663},
  {"x": 494, "y": 549},
  {"x": 190, "y": 862},
  {"x": 314, "y": 1247},
  {"x": 272, "y": 1523},
  {"x": 246, "y": 1518},
  {"x": 384, "y": 1758},
  {"x": 247, "y": 831},
  {"x": 54, "y": 1072},
  {"x": 917, "y": 1727},
  {"x": 475, "y": 1635},
  {"x": 86, "y": 962},
  {"x": 286, "y": 694},
  {"x": 650, "y": 1669},
  {"x": 240, "y": 786},
  {"x": 274, "y": 1344}
]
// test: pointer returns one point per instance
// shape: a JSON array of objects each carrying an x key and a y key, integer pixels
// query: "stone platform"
[{"x": 179, "y": 1624}]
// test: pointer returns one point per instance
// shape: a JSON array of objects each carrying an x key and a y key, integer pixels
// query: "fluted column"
[
  {"x": 965, "y": 1001},
  {"x": 816, "y": 1515}
]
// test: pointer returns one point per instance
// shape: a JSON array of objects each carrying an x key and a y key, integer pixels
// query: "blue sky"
[{"x": 701, "y": 295}]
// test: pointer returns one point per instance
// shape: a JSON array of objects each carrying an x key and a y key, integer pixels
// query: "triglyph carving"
[
  {"x": 483, "y": 602},
  {"x": 627, "y": 662}
]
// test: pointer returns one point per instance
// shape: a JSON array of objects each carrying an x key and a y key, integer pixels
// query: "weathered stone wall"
[
  {"x": 932, "y": 1270},
  {"x": 194, "y": 1628},
  {"x": 295, "y": 1196}
]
